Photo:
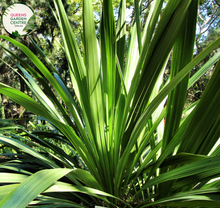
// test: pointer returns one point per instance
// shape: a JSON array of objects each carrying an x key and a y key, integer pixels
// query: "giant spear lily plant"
[{"x": 134, "y": 143}]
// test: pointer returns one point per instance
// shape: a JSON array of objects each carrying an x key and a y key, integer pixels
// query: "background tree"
[
  {"x": 208, "y": 29},
  {"x": 44, "y": 34}
]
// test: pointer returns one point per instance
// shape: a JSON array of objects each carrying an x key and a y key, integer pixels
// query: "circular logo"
[{"x": 18, "y": 19}]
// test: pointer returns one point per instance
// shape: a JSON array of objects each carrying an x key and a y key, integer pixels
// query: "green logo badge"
[{"x": 18, "y": 19}]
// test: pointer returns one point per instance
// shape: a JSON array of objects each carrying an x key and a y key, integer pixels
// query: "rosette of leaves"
[{"x": 139, "y": 146}]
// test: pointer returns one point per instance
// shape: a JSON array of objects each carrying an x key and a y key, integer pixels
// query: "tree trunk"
[
  {"x": 7, "y": 107},
  {"x": 21, "y": 120}
]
